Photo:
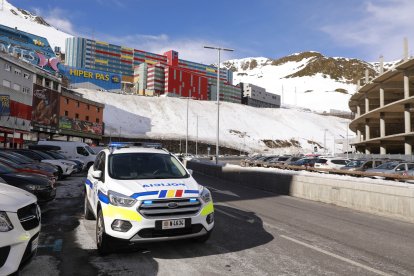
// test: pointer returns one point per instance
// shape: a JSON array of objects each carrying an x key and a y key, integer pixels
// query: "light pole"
[
  {"x": 186, "y": 134},
  {"x": 219, "y": 49},
  {"x": 197, "y": 137}
]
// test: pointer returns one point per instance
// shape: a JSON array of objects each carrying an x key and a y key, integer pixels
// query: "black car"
[{"x": 39, "y": 185}]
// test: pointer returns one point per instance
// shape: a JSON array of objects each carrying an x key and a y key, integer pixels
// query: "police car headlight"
[
  {"x": 118, "y": 199},
  {"x": 205, "y": 195}
]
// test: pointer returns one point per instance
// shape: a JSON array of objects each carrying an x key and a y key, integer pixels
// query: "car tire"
[
  {"x": 87, "y": 209},
  {"x": 102, "y": 239},
  {"x": 204, "y": 238}
]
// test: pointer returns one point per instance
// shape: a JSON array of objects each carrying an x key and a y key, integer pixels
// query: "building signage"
[
  {"x": 45, "y": 108},
  {"x": 4, "y": 105},
  {"x": 80, "y": 126},
  {"x": 93, "y": 75},
  {"x": 30, "y": 56}
]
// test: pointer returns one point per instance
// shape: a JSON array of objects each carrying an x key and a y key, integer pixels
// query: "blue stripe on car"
[{"x": 103, "y": 197}]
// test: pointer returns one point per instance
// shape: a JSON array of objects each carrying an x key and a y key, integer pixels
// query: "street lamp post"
[
  {"x": 196, "y": 153},
  {"x": 186, "y": 135},
  {"x": 219, "y": 49}
]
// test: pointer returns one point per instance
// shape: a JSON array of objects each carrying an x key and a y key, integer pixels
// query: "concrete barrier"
[{"x": 380, "y": 197}]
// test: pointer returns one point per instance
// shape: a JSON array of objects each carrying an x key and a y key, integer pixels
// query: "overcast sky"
[{"x": 269, "y": 28}]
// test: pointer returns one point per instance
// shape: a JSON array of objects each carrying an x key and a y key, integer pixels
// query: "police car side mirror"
[
  {"x": 190, "y": 171},
  {"x": 97, "y": 174}
]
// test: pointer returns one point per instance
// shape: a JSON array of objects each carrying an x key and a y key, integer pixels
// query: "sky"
[{"x": 253, "y": 28}]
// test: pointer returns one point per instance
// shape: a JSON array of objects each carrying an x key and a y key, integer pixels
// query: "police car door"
[{"x": 99, "y": 165}]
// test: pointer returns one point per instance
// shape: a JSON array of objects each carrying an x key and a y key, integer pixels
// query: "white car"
[
  {"x": 19, "y": 228},
  {"x": 140, "y": 194},
  {"x": 331, "y": 162}
]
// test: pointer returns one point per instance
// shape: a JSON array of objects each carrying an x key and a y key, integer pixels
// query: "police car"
[{"x": 139, "y": 193}]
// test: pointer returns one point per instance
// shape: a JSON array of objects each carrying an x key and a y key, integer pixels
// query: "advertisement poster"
[
  {"x": 45, "y": 108},
  {"x": 4, "y": 105},
  {"x": 80, "y": 126}
]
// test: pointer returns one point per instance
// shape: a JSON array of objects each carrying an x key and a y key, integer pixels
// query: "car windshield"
[
  {"x": 13, "y": 158},
  {"x": 44, "y": 155},
  {"x": 56, "y": 155},
  {"x": 145, "y": 166},
  {"x": 90, "y": 150},
  {"x": 355, "y": 163},
  {"x": 387, "y": 166},
  {"x": 10, "y": 163},
  {"x": 6, "y": 169}
]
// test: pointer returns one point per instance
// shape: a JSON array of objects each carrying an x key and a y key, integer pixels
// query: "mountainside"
[
  {"x": 278, "y": 130},
  {"x": 26, "y": 21},
  {"x": 306, "y": 79}
]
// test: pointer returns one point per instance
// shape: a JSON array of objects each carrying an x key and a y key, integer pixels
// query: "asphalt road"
[{"x": 256, "y": 233}]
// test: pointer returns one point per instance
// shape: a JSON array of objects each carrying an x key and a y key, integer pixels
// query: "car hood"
[
  {"x": 21, "y": 179},
  {"x": 12, "y": 198},
  {"x": 156, "y": 188}
]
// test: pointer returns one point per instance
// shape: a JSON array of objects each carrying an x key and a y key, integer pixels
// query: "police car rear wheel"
[{"x": 102, "y": 239}]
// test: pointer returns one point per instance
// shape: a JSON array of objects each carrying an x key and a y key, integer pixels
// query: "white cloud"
[
  {"x": 380, "y": 30},
  {"x": 58, "y": 19}
]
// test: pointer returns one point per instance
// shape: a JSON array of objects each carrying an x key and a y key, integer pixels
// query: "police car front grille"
[
  {"x": 29, "y": 216},
  {"x": 169, "y": 207}
]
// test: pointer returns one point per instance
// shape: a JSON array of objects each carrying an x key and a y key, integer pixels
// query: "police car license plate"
[
  {"x": 35, "y": 244},
  {"x": 173, "y": 224}
]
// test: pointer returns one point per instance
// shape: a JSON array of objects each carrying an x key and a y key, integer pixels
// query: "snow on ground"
[
  {"x": 24, "y": 22},
  {"x": 241, "y": 127}
]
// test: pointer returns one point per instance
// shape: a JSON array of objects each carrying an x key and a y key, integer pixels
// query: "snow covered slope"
[
  {"x": 306, "y": 79},
  {"x": 25, "y": 21},
  {"x": 241, "y": 127}
]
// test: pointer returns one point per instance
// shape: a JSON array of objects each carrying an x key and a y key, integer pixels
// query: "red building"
[{"x": 182, "y": 81}]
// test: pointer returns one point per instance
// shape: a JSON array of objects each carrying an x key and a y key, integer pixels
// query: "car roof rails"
[{"x": 119, "y": 145}]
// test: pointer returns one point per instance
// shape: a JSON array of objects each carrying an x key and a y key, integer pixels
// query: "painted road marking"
[
  {"x": 223, "y": 192},
  {"x": 335, "y": 256},
  {"x": 249, "y": 220}
]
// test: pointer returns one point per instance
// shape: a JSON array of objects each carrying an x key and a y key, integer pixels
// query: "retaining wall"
[{"x": 373, "y": 196}]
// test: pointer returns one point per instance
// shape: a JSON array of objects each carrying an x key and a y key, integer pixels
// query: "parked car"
[
  {"x": 28, "y": 162},
  {"x": 65, "y": 168},
  {"x": 24, "y": 169},
  {"x": 304, "y": 162},
  {"x": 53, "y": 152},
  {"x": 393, "y": 167},
  {"x": 283, "y": 160},
  {"x": 41, "y": 186},
  {"x": 246, "y": 162},
  {"x": 19, "y": 228},
  {"x": 362, "y": 165},
  {"x": 260, "y": 162},
  {"x": 330, "y": 162},
  {"x": 74, "y": 150}
]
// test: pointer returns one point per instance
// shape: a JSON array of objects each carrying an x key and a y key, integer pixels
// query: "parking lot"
[{"x": 256, "y": 233}]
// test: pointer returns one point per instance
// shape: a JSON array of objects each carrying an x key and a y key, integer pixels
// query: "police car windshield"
[{"x": 144, "y": 166}]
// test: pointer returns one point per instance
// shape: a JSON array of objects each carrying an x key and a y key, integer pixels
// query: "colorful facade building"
[{"x": 148, "y": 73}]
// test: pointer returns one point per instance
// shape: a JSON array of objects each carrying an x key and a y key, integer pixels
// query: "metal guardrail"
[{"x": 396, "y": 177}]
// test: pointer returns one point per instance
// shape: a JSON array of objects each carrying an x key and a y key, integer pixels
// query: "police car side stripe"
[
  {"x": 191, "y": 191},
  {"x": 103, "y": 198},
  {"x": 136, "y": 195},
  {"x": 88, "y": 183}
]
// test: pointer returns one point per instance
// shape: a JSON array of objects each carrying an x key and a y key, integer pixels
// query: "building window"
[
  {"x": 88, "y": 106},
  {"x": 16, "y": 86},
  {"x": 77, "y": 104},
  {"x": 97, "y": 120},
  {"x": 26, "y": 75},
  {"x": 77, "y": 116},
  {"x": 26, "y": 90},
  {"x": 6, "y": 83},
  {"x": 97, "y": 109},
  {"x": 67, "y": 100},
  {"x": 66, "y": 113},
  {"x": 18, "y": 72},
  {"x": 7, "y": 67},
  {"x": 87, "y": 118}
]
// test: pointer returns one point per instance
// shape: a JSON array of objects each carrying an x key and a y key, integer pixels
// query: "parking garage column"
[
  {"x": 407, "y": 118},
  {"x": 359, "y": 136},
  {"x": 383, "y": 150},
  {"x": 367, "y": 130},
  {"x": 358, "y": 113},
  {"x": 408, "y": 145},
  {"x": 406, "y": 85},
  {"x": 366, "y": 103},
  {"x": 381, "y": 97}
]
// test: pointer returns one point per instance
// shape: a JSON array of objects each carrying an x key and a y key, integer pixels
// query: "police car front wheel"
[{"x": 102, "y": 239}]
